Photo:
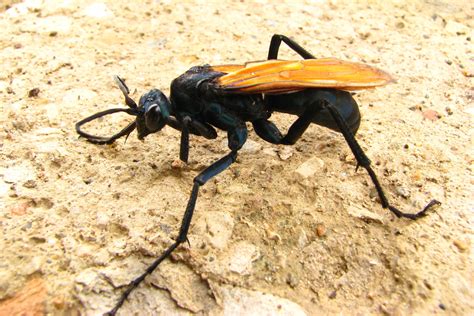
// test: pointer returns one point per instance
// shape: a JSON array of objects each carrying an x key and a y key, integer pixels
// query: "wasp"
[{"x": 207, "y": 98}]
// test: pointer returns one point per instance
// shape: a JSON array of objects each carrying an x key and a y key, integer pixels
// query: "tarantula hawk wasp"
[{"x": 226, "y": 97}]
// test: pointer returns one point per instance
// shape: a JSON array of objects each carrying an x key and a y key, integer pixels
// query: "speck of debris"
[
  {"x": 442, "y": 306},
  {"x": 177, "y": 164},
  {"x": 33, "y": 93},
  {"x": 292, "y": 280},
  {"x": 332, "y": 295},
  {"x": 17, "y": 46},
  {"x": 403, "y": 192},
  {"x": 417, "y": 107},
  {"x": 431, "y": 115},
  {"x": 461, "y": 245},
  {"x": 320, "y": 230},
  {"x": 53, "y": 33}
]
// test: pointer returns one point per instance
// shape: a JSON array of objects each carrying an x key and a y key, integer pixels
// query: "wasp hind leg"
[
  {"x": 364, "y": 161},
  {"x": 275, "y": 45},
  {"x": 270, "y": 132}
]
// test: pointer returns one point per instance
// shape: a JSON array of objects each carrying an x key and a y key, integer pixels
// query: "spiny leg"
[
  {"x": 275, "y": 45},
  {"x": 364, "y": 161},
  {"x": 184, "y": 144},
  {"x": 186, "y": 127},
  {"x": 211, "y": 171},
  {"x": 268, "y": 131}
]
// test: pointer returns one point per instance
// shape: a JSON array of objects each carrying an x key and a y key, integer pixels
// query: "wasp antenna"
[
  {"x": 123, "y": 87},
  {"x": 106, "y": 140},
  {"x": 126, "y": 91}
]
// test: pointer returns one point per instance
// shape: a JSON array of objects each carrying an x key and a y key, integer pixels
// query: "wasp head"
[
  {"x": 152, "y": 113},
  {"x": 153, "y": 109}
]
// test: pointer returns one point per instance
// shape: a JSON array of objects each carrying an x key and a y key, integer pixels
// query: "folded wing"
[{"x": 284, "y": 76}]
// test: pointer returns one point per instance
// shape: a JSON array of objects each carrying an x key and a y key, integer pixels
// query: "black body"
[{"x": 198, "y": 105}]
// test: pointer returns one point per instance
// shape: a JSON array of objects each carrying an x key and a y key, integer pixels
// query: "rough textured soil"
[{"x": 286, "y": 230}]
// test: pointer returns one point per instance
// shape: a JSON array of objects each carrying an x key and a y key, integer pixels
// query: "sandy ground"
[{"x": 79, "y": 221}]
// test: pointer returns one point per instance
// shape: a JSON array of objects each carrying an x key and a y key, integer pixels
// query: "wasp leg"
[
  {"x": 195, "y": 128},
  {"x": 364, "y": 161},
  {"x": 184, "y": 144},
  {"x": 275, "y": 45},
  {"x": 211, "y": 171},
  {"x": 270, "y": 132},
  {"x": 223, "y": 119},
  {"x": 188, "y": 126}
]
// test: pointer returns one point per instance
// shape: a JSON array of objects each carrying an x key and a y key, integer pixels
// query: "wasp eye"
[{"x": 153, "y": 118}]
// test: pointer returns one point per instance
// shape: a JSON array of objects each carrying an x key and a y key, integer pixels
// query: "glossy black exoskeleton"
[{"x": 198, "y": 105}]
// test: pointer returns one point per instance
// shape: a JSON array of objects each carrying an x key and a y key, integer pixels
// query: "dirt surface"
[{"x": 286, "y": 230}]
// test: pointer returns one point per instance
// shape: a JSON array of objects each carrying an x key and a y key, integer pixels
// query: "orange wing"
[{"x": 283, "y": 76}]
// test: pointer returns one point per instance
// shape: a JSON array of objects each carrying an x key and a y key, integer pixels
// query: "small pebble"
[
  {"x": 431, "y": 115},
  {"x": 400, "y": 25},
  {"x": 292, "y": 280},
  {"x": 320, "y": 230},
  {"x": 242, "y": 258},
  {"x": 177, "y": 164},
  {"x": 310, "y": 167},
  {"x": 403, "y": 192},
  {"x": 442, "y": 306},
  {"x": 373, "y": 194},
  {"x": 417, "y": 107},
  {"x": 19, "y": 209},
  {"x": 461, "y": 245},
  {"x": 30, "y": 184},
  {"x": 274, "y": 236},
  {"x": 364, "y": 214},
  {"x": 332, "y": 295},
  {"x": 33, "y": 93},
  {"x": 302, "y": 239},
  {"x": 285, "y": 153},
  {"x": 251, "y": 147}
]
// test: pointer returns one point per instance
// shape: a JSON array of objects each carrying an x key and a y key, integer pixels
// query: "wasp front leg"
[
  {"x": 223, "y": 119},
  {"x": 187, "y": 126}
]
